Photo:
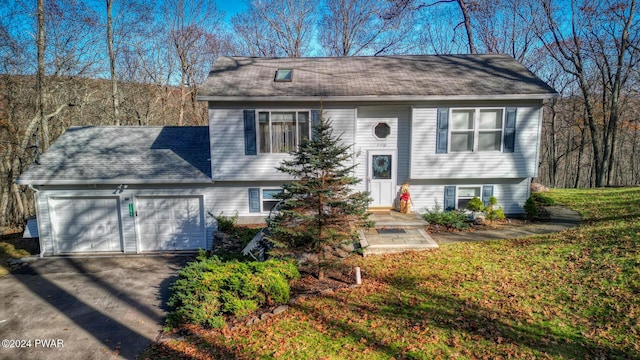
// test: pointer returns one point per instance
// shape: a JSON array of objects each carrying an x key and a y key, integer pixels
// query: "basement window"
[{"x": 284, "y": 75}]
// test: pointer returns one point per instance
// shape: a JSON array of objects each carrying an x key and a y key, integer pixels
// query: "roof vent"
[{"x": 283, "y": 75}]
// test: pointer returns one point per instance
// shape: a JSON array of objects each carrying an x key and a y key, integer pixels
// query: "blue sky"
[{"x": 231, "y": 7}]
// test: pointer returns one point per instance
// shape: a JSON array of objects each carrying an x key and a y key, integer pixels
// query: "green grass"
[
  {"x": 574, "y": 294},
  {"x": 13, "y": 246}
]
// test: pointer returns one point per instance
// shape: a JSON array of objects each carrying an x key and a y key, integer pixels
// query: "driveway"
[{"x": 85, "y": 308}]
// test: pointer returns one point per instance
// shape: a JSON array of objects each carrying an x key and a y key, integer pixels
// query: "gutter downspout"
[{"x": 36, "y": 198}]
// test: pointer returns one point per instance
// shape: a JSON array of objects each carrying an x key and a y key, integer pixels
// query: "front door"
[{"x": 381, "y": 177}]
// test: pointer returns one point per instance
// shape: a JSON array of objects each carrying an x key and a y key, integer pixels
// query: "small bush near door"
[
  {"x": 210, "y": 289},
  {"x": 453, "y": 219}
]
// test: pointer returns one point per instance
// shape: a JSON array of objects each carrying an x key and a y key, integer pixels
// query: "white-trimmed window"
[
  {"x": 476, "y": 129},
  {"x": 465, "y": 194},
  {"x": 282, "y": 131},
  {"x": 267, "y": 199}
]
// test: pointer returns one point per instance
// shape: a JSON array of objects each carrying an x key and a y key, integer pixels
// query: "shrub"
[
  {"x": 542, "y": 200},
  {"x": 531, "y": 207},
  {"x": 475, "y": 204},
  {"x": 453, "y": 219},
  {"x": 495, "y": 214},
  {"x": 209, "y": 289},
  {"x": 226, "y": 224}
]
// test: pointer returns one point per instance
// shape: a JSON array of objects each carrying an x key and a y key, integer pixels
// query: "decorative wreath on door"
[{"x": 381, "y": 164}]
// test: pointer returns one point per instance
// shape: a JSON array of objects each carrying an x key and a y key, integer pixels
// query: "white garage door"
[
  {"x": 85, "y": 225},
  {"x": 170, "y": 223}
]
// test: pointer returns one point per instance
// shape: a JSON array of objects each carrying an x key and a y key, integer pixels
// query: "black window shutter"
[
  {"x": 315, "y": 121},
  {"x": 449, "y": 197},
  {"x": 250, "y": 144},
  {"x": 443, "y": 131},
  {"x": 487, "y": 192},
  {"x": 254, "y": 200},
  {"x": 510, "y": 131}
]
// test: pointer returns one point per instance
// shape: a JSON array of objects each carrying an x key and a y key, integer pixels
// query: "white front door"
[{"x": 381, "y": 177}]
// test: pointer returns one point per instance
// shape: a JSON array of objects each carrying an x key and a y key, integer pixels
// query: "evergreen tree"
[{"x": 319, "y": 207}]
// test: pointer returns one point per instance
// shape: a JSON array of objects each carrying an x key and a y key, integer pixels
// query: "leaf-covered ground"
[
  {"x": 13, "y": 246},
  {"x": 574, "y": 294}
]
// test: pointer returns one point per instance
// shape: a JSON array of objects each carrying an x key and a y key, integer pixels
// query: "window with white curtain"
[{"x": 282, "y": 131}]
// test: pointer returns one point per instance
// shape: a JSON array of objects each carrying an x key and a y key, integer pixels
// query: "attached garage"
[
  {"x": 83, "y": 225},
  {"x": 124, "y": 190},
  {"x": 170, "y": 223}
]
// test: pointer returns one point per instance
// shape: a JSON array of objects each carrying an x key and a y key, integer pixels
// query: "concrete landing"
[{"x": 395, "y": 232}]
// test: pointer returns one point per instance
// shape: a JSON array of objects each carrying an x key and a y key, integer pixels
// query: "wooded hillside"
[{"x": 72, "y": 101}]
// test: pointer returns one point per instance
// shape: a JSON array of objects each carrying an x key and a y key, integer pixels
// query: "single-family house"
[{"x": 453, "y": 127}]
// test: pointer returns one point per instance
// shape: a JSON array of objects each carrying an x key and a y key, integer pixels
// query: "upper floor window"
[
  {"x": 476, "y": 130},
  {"x": 282, "y": 131}
]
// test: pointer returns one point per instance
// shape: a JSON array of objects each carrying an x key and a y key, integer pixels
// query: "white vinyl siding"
[
  {"x": 427, "y": 164},
  {"x": 228, "y": 159}
]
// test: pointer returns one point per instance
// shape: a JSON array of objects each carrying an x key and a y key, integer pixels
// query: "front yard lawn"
[{"x": 573, "y": 294}]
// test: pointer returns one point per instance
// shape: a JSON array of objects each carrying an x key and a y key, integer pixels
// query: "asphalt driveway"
[{"x": 85, "y": 308}]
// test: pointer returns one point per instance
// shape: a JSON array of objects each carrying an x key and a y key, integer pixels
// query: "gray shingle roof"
[
  {"x": 425, "y": 76},
  {"x": 129, "y": 155}
]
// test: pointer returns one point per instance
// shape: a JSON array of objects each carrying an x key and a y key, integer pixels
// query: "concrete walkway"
[
  {"x": 561, "y": 218},
  {"x": 395, "y": 232}
]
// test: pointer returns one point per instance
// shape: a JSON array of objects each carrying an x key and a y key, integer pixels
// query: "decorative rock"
[
  {"x": 536, "y": 187},
  {"x": 341, "y": 253},
  {"x": 479, "y": 219},
  {"x": 348, "y": 247},
  {"x": 253, "y": 321},
  {"x": 308, "y": 258},
  {"x": 265, "y": 316},
  {"x": 327, "y": 292},
  {"x": 280, "y": 309}
]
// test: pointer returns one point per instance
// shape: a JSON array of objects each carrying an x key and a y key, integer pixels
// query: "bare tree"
[
  {"x": 464, "y": 6},
  {"x": 41, "y": 43},
  {"x": 357, "y": 27},
  {"x": 254, "y": 37},
  {"x": 112, "y": 64},
  {"x": 600, "y": 49},
  {"x": 505, "y": 27},
  {"x": 276, "y": 27},
  {"x": 192, "y": 28}
]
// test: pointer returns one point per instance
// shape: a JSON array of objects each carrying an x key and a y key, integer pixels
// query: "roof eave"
[
  {"x": 111, "y": 181},
  {"x": 542, "y": 96}
]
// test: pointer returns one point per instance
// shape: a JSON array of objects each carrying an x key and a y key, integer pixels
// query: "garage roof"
[
  {"x": 124, "y": 155},
  {"x": 416, "y": 77}
]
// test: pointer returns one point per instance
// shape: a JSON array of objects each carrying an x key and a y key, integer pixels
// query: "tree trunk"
[
  {"x": 112, "y": 65},
  {"x": 467, "y": 25},
  {"x": 40, "y": 43}
]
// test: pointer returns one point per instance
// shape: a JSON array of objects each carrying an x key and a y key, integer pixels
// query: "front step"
[
  {"x": 395, "y": 240},
  {"x": 394, "y": 219}
]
